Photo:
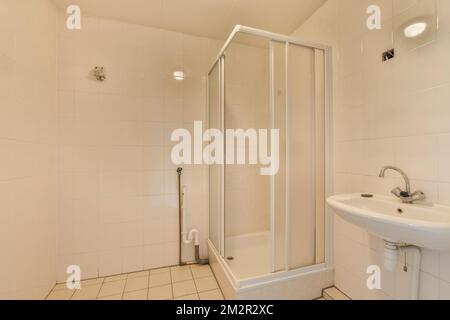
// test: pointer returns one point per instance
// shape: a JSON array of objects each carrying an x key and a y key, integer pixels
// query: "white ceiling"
[{"x": 208, "y": 18}]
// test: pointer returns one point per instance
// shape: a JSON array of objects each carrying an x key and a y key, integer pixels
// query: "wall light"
[
  {"x": 415, "y": 29},
  {"x": 178, "y": 75}
]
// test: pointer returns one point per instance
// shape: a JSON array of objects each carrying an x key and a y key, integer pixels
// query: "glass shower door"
[
  {"x": 265, "y": 224},
  {"x": 299, "y": 191},
  {"x": 247, "y": 192},
  {"x": 215, "y": 171}
]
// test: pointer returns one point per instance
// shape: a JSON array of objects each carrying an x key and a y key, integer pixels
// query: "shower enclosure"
[{"x": 268, "y": 233}]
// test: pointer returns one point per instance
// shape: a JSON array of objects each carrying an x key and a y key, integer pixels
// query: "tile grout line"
[
  {"x": 104, "y": 281},
  {"x": 171, "y": 283},
  {"x": 148, "y": 284},
  {"x": 218, "y": 285},
  {"x": 195, "y": 284},
  {"x": 137, "y": 289},
  {"x": 101, "y": 287}
]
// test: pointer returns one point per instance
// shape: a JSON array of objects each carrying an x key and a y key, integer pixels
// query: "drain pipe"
[
  {"x": 415, "y": 281},
  {"x": 193, "y": 235},
  {"x": 391, "y": 251},
  {"x": 180, "y": 218}
]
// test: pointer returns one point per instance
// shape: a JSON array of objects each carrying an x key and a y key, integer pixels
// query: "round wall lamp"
[
  {"x": 415, "y": 29},
  {"x": 179, "y": 75}
]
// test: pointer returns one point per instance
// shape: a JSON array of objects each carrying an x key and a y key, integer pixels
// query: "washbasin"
[{"x": 421, "y": 225}]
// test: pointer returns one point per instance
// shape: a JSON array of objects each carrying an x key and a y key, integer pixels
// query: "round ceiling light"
[{"x": 178, "y": 75}]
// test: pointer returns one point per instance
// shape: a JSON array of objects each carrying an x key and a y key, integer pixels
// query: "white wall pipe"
[
  {"x": 391, "y": 251},
  {"x": 192, "y": 235},
  {"x": 390, "y": 256},
  {"x": 417, "y": 260}
]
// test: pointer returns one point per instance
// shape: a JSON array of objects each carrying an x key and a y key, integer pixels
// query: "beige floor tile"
[
  {"x": 136, "y": 295},
  {"x": 160, "y": 279},
  {"x": 112, "y": 288},
  {"x": 87, "y": 292},
  {"x": 181, "y": 275},
  {"x": 185, "y": 288},
  {"x": 160, "y": 293},
  {"x": 139, "y": 274},
  {"x": 201, "y": 272},
  {"x": 175, "y": 268},
  {"x": 91, "y": 282},
  {"x": 189, "y": 297},
  {"x": 211, "y": 295},
  {"x": 161, "y": 270},
  {"x": 334, "y": 293},
  {"x": 64, "y": 294},
  {"x": 60, "y": 286},
  {"x": 118, "y": 277},
  {"x": 115, "y": 297},
  {"x": 136, "y": 284},
  {"x": 206, "y": 284}
]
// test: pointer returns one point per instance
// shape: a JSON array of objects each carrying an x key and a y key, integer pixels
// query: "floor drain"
[{"x": 230, "y": 258}]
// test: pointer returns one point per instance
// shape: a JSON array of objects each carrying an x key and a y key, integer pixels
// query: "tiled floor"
[
  {"x": 334, "y": 293},
  {"x": 193, "y": 282}
]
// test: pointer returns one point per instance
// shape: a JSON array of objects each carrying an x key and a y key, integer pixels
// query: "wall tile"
[
  {"x": 417, "y": 156},
  {"x": 29, "y": 112},
  {"x": 444, "y": 158},
  {"x": 444, "y": 290},
  {"x": 114, "y": 137},
  {"x": 429, "y": 287},
  {"x": 444, "y": 193},
  {"x": 110, "y": 263},
  {"x": 402, "y": 120}
]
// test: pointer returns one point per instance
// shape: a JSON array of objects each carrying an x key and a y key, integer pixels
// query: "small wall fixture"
[
  {"x": 178, "y": 75},
  {"x": 388, "y": 55},
  {"x": 99, "y": 73},
  {"x": 415, "y": 29}
]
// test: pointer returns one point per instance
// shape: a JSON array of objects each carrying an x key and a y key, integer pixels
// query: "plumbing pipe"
[
  {"x": 183, "y": 209},
  {"x": 180, "y": 217},
  {"x": 391, "y": 251},
  {"x": 415, "y": 281},
  {"x": 193, "y": 235},
  {"x": 390, "y": 256},
  {"x": 197, "y": 257}
]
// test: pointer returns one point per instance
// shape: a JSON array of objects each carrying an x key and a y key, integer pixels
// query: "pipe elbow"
[{"x": 194, "y": 236}]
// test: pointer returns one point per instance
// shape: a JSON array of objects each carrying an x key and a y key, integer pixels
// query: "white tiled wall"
[
  {"x": 118, "y": 202},
  {"x": 386, "y": 113},
  {"x": 27, "y": 148}
]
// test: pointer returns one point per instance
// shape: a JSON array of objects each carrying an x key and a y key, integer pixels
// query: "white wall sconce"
[
  {"x": 417, "y": 26},
  {"x": 415, "y": 29},
  {"x": 179, "y": 75}
]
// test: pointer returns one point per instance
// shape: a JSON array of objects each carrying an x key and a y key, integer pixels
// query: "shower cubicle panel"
[
  {"x": 278, "y": 101},
  {"x": 269, "y": 224},
  {"x": 247, "y": 192},
  {"x": 215, "y": 173},
  {"x": 298, "y": 100},
  {"x": 304, "y": 160}
]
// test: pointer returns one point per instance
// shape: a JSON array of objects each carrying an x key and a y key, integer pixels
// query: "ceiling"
[{"x": 208, "y": 18}]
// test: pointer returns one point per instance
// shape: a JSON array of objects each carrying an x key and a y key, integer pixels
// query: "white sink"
[{"x": 390, "y": 219}]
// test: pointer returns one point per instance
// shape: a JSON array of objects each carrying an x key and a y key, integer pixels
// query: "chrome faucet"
[{"x": 405, "y": 196}]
